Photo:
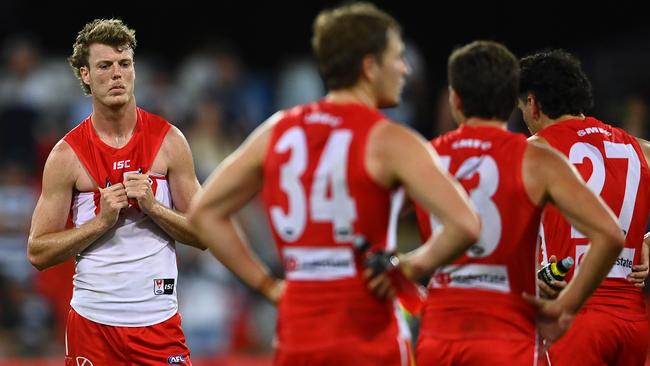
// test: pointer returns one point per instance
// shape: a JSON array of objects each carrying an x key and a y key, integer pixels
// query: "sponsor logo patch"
[
  {"x": 590, "y": 130},
  {"x": 622, "y": 267},
  {"x": 176, "y": 360},
  {"x": 323, "y": 118},
  {"x": 163, "y": 286},
  {"x": 302, "y": 263},
  {"x": 117, "y": 165},
  {"x": 481, "y": 276}
]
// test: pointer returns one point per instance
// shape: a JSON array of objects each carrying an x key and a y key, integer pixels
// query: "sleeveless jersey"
[
  {"x": 318, "y": 196},
  {"x": 486, "y": 283},
  {"x": 613, "y": 165},
  {"x": 126, "y": 277}
]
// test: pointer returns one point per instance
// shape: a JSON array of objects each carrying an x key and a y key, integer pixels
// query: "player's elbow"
[
  {"x": 36, "y": 260},
  {"x": 610, "y": 239},
  {"x": 193, "y": 215},
  {"x": 470, "y": 229},
  {"x": 615, "y": 238}
]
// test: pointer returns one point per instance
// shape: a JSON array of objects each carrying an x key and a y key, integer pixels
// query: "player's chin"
[
  {"x": 390, "y": 102},
  {"x": 116, "y": 100}
]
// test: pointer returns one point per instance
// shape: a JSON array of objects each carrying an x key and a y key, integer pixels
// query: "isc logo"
[
  {"x": 163, "y": 286},
  {"x": 121, "y": 164}
]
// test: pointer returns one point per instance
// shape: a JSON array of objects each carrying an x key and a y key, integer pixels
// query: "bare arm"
[
  {"x": 49, "y": 244},
  {"x": 549, "y": 177},
  {"x": 645, "y": 147},
  {"x": 398, "y": 155},
  {"x": 640, "y": 271},
  {"x": 229, "y": 188},
  {"x": 183, "y": 186}
]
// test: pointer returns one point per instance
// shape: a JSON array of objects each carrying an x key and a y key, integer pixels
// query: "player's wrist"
[
  {"x": 269, "y": 287},
  {"x": 103, "y": 222},
  {"x": 149, "y": 205},
  {"x": 406, "y": 266},
  {"x": 569, "y": 304}
]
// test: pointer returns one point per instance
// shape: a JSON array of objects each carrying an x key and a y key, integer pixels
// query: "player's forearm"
[
  {"x": 645, "y": 249},
  {"x": 47, "y": 250},
  {"x": 230, "y": 247},
  {"x": 445, "y": 245},
  {"x": 594, "y": 267},
  {"x": 175, "y": 224}
]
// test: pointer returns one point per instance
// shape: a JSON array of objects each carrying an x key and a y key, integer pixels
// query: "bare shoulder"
[
  {"x": 645, "y": 148},
  {"x": 540, "y": 158},
  {"x": 62, "y": 164},
  {"x": 540, "y": 166},
  {"x": 174, "y": 152},
  {"x": 61, "y": 152},
  {"x": 645, "y": 144},
  {"x": 538, "y": 139},
  {"x": 389, "y": 130},
  {"x": 387, "y": 136},
  {"x": 390, "y": 147},
  {"x": 263, "y": 131},
  {"x": 174, "y": 139}
]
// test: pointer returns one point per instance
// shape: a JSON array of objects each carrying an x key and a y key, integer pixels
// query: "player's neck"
[
  {"x": 565, "y": 117},
  {"x": 357, "y": 94},
  {"x": 115, "y": 125},
  {"x": 480, "y": 122},
  {"x": 546, "y": 121}
]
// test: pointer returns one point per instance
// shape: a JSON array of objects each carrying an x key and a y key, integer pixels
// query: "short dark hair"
[
  {"x": 110, "y": 32},
  {"x": 343, "y": 36},
  {"x": 557, "y": 81},
  {"x": 485, "y": 75}
]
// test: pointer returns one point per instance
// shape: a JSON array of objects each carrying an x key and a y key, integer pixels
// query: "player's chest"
[{"x": 113, "y": 169}]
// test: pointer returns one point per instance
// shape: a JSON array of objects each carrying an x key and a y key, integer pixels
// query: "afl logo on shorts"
[
  {"x": 83, "y": 361},
  {"x": 176, "y": 360}
]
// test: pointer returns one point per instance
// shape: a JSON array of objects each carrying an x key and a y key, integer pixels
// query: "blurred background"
[{"x": 216, "y": 74}]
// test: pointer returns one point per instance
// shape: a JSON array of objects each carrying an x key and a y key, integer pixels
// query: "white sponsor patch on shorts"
[
  {"x": 481, "y": 276},
  {"x": 621, "y": 268},
  {"x": 318, "y": 264}
]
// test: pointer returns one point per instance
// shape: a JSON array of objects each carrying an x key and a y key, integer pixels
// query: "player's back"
[
  {"x": 318, "y": 196},
  {"x": 485, "y": 284},
  {"x": 613, "y": 165}
]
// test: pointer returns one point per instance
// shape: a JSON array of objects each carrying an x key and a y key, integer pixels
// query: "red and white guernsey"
[
  {"x": 318, "y": 196},
  {"x": 479, "y": 295},
  {"x": 613, "y": 165},
  {"x": 126, "y": 277}
]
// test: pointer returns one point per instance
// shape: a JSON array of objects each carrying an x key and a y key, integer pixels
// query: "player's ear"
[
  {"x": 370, "y": 67},
  {"x": 84, "y": 72},
  {"x": 454, "y": 99},
  {"x": 535, "y": 107}
]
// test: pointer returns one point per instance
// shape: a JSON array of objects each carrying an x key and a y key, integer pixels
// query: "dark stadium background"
[{"x": 266, "y": 30}]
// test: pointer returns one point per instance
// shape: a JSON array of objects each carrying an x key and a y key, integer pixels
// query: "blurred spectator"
[
  {"x": 298, "y": 82},
  {"x": 443, "y": 121},
  {"x": 218, "y": 73},
  {"x": 635, "y": 120},
  {"x": 414, "y": 110},
  {"x": 19, "y": 95},
  {"x": 208, "y": 301},
  {"x": 24, "y": 315},
  {"x": 157, "y": 92},
  {"x": 209, "y": 142}
]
